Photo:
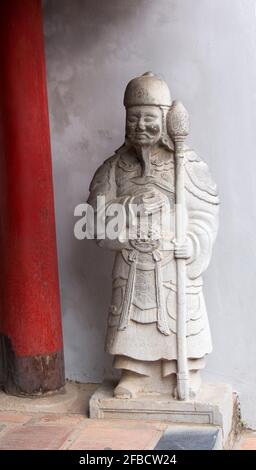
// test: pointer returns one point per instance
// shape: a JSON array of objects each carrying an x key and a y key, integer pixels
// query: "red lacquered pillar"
[{"x": 30, "y": 319}]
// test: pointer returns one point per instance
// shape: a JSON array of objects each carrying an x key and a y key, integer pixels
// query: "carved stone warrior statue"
[{"x": 143, "y": 315}]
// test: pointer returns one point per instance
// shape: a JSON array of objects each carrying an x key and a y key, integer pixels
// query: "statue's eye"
[
  {"x": 150, "y": 118},
  {"x": 132, "y": 119}
]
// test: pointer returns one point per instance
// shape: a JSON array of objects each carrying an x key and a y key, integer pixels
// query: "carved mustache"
[{"x": 152, "y": 131}]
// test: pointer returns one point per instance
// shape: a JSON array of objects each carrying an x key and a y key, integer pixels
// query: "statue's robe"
[{"x": 142, "y": 316}]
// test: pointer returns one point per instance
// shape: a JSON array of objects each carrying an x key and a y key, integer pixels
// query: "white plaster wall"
[{"x": 206, "y": 50}]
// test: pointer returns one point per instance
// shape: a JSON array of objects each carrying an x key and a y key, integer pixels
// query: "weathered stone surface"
[
  {"x": 158, "y": 328},
  {"x": 213, "y": 406}
]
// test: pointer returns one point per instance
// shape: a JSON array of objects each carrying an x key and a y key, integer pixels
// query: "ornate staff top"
[{"x": 178, "y": 121}]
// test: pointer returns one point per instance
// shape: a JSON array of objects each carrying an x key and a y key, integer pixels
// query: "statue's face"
[{"x": 143, "y": 125}]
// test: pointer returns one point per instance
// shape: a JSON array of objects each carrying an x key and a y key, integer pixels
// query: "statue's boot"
[
  {"x": 195, "y": 382},
  {"x": 129, "y": 385}
]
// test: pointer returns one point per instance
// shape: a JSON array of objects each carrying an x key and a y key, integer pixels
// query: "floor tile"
[
  {"x": 97, "y": 436},
  {"x": 12, "y": 417},
  {"x": 34, "y": 437}
]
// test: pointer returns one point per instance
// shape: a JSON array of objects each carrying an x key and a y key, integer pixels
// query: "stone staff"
[{"x": 178, "y": 127}]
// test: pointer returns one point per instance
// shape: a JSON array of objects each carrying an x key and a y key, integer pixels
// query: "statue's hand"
[
  {"x": 152, "y": 201},
  {"x": 183, "y": 250}
]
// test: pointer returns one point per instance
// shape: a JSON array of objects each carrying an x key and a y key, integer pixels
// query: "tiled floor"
[
  {"x": 58, "y": 431},
  {"x": 247, "y": 441},
  {"x": 74, "y": 431},
  {"x": 61, "y": 422}
]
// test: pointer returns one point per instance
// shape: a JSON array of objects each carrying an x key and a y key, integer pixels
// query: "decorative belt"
[{"x": 162, "y": 324}]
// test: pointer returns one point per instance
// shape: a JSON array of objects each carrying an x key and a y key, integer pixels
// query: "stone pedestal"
[{"x": 213, "y": 405}]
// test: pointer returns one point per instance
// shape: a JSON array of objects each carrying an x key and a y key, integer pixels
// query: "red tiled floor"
[
  {"x": 35, "y": 437},
  {"x": 12, "y": 417},
  {"x": 246, "y": 440},
  {"x": 74, "y": 431},
  {"x": 39, "y": 424},
  {"x": 118, "y": 435},
  {"x": 57, "y": 419},
  {"x": 248, "y": 443}
]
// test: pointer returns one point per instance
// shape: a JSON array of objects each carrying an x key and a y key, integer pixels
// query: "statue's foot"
[
  {"x": 122, "y": 392},
  {"x": 129, "y": 385}
]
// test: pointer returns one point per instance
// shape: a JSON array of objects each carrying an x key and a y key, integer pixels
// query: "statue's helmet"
[{"x": 147, "y": 90}]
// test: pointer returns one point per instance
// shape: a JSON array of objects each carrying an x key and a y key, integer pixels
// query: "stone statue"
[{"x": 143, "y": 315}]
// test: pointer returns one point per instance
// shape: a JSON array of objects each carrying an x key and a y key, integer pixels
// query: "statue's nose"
[{"x": 140, "y": 125}]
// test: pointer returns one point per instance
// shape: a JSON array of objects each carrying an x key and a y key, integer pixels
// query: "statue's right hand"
[
  {"x": 140, "y": 194},
  {"x": 153, "y": 202},
  {"x": 149, "y": 201}
]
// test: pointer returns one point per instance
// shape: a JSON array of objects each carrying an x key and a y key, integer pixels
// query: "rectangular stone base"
[{"x": 213, "y": 405}]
